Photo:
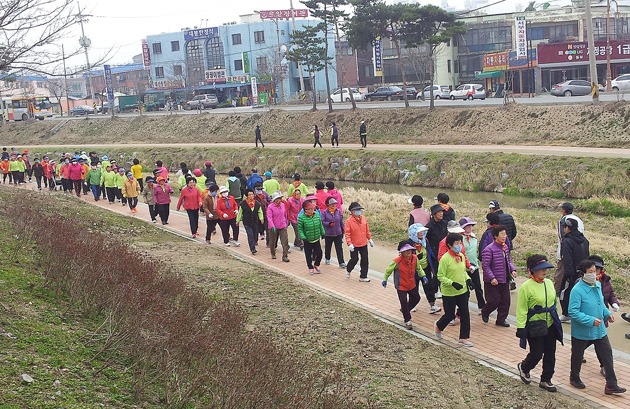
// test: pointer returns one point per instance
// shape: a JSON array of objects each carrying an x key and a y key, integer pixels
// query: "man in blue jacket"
[{"x": 588, "y": 314}]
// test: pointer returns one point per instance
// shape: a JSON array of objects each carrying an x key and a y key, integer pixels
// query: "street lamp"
[{"x": 608, "y": 73}]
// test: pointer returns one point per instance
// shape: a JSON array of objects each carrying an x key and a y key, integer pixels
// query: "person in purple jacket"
[
  {"x": 497, "y": 267},
  {"x": 332, "y": 219}
]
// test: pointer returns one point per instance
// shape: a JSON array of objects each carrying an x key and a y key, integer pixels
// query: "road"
[
  {"x": 520, "y": 149},
  {"x": 542, "y": 100}
]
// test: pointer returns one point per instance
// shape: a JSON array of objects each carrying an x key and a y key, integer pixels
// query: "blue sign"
[
  {"x": 378, "y": 58},
  {"x": 522, "y": 63},
  {"x": 110, "y": 86},
  {"x": 201, "y": 33}
]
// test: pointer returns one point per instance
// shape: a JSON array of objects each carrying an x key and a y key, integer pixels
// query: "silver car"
[
  {"x": 571, "y": 87},
  {"x": 204, "y": 101},
  {"x": 439, "y": 92},
  {"x": 621, "y": 83}
]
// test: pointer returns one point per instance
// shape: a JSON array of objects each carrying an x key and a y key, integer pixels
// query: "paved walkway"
[{"x": 492, "y": 345}]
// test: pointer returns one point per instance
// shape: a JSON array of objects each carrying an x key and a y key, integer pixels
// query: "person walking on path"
[
  {"x": 162, "y": 197},
  {"x": 38, "y": 172},
  {"x": 108, "y": 180},
  {"x": 492, "y": 219},
  {"x": 75, "y": 173},
  {"x": 471, "y": 246},
  {"x": 297, "y": 184},
  {"x": 334, "y": 134},
  {"x": 210, "y": 210},
  {"x": 567, "y": 211},
  {"x": 201, "y": 180},
  {"x": 610, "y": 299},
  {"x": 417, "y": 238},
  {"x": 332, "y": 219},
  {"x": 131, "y": 191},
  {"x": 263, "y": 198},
  {"x": 250, "y": 213},
  {"x": 418, "y": 214},
  {"x": 93, "y": 179},
  {"x": 455, "y": 284},
  {"x": 210, "y": 173},
  {"x": 537, "y": 322},
  {"x": 4, "y": 166},
  {"x": 363, "y": 134},
  {"x": 311, "y": 230},
  {"x": 254, "y": 178},
  {"x": 357, "y": 233},
  {"x": 438, "y": 230},
  {"x": 164, "y": 172},
  {"x": 497, "y": 266},
  {"x": 147, "y": 193},
  {"x": 330, "y": 188},
  {"x": 270, "y": 184},
  {"x": 295, "y": 203},
  {"x": 234, "y": 186},
  {"x": 243, "y": 180},
  {"x": 505, "y": 219},
  {"x": 405, "y": 268},
  {"x": 277, "y": 223},
  {"x": 588, "y": 314},
  {"x": 190, "y": 197},
  {"x": 258, "y": 136},
  {"x": 315, "y": 133},
  {"x": 321, "y": 195},
  {"x": 228, "y": 210},
  {"x": 575, "y": 248},
  {"x": 136, "y": 169}
]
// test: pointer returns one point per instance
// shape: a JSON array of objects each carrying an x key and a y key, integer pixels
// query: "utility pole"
[
  {"x": 299, "y": 63},
  {"x": 280, "y": 61},
  {"x": 85, "y": 43},
  {"x": 65, "y": 80},
  {"x": 608, "y": 73},
  {"x": 591, "y": 51}
]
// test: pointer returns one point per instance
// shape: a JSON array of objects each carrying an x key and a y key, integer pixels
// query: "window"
[
  {"x": 174, "y": 45},
  {"x": 215, "y": 54},
  {"x": 157, "y": 48},
  {"x": 259, "y": 36},
  {"x": 448, "y": 65},
  {"x": 195, "y": 69},
  {"x": 456, "y": 66},
  {"x": 238, "y": 65},
  {"x": 159, "y": 72},
  {"x": 177, "y": 70},
  {"x": 261, "y": 63},
  {"x": 236, "y": 39}
]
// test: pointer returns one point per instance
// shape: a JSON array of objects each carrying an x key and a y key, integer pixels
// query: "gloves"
[
  {"x": 470, "y": 285},
  {"x": 419, "y": 255},
  {"x": 457, "y": 286},
  {"x": 225, "y": 216},
  {"x": 470, "y": 270},
  {"x": 331, "y": 224},
  {"x": 425, "y": 280},
  {"x": 615, "y": 307},
  {"x": 520, "y": 332},
  {"x": 371, "y": 242},
  {"x": 273, "y": 229},
  {"x": 210, "y": 215},
  {"x": 384, "y": 283},
  {"x": 351, "y": 247},
  {"x": 236, "y": 212}
]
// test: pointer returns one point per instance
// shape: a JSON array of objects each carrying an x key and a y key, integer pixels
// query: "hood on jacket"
[{"x": 577, "y": 236}]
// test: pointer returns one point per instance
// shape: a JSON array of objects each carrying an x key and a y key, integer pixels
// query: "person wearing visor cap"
[
  {"x": 332, "y": 219},
  {"x": 417, "y": 238},
  {"x": 537, "y": 322},
  {"x": 358, "y": 237},
  {"x": 405, "y": 268},
  {"x": 131, "y": 191},
  {"x": 162, "y": 198}
]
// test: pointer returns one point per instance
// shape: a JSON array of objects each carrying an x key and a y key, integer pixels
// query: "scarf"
[
  {"x": 227, "y": 202},
  {"x": 538, "y": 280},
  {"x": 296, "y": 184},
  {"x": 445, "y": 206},
  {"x": 413, "y": 234},
  {"x": 250, "y": 203},
  {"x": 458, "y": 257}
]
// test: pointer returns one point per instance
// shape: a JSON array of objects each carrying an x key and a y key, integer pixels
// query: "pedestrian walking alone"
[
  {"x": 363, "y": 134},
  {"x": 258, "y": 136},
  {"x": 334, "y": 134},
  {"x": 358, "y": 236},
  {"x": 190, "y": 197},
  {"x": 315, "y": 133}
]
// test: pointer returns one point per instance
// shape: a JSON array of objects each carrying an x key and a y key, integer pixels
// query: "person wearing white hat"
[
  {"x": 228, "y": 210},
  {"x": 278, "y": 222},
  {"x": 417, "y": 237},
  {"x": 471, "y": 246}
]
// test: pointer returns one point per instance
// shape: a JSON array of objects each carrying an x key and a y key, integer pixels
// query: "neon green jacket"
[
  {"x": 451, "y": 271},
  {"x": 108, "y": 178},
  {"x": 93, "y": 177},
  {"x": 119, "y": 180},
  {"x": 271, "y": 185}
]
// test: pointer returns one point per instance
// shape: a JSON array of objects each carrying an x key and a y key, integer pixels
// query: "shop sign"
[
  {"x": 201, "y": 33},
  {"x": 378, "y": 58},
  {"x": 275, "y": 14},
  {"x": 216, "y": 76},
  {"x": 522, "y": 63},
  {"x": 521, "y": 37},
  {"x": 578, "y": 52},
  {"x": 495, "y": 62}
]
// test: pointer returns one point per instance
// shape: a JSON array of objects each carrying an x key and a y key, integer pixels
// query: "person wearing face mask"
[
  {"x": 228, "y": 210},
  {"x": 311, "y": 230},
  {"x": 65, "y": 180},
  {"x": 147, "y": 193},
  {"x": 332, "y": 219},
  {"x": 250, "y": 213},
  {"x": 108, "y": 180},
  {"x": 93, "y": 179},
  {"x": 417, "y": 238},
  {"x": 574, "y": 249},
  {"x": 455, "y": 283},
  {"x": 162, "y": 198},
  {"x": 588, "y": 314},
  {"x": 295, "y": 203},
  {"x": 470, "y": 246},
  {"x": 190, "y": 197},
  {"x": 75, "y": 174},
  {"x": 357, "y": 233},
  {"x": 130, "y": 191},
  {"x": 120, "y": 178},
  {"x": 263, "y": 198},
  {"x": 38, "y": 171},
  {"x": 537, "y": 322},
  {"x": 497, "y": 267},
  {"x": 278, "y": 222},
  {"x": 438, "y": 230}
]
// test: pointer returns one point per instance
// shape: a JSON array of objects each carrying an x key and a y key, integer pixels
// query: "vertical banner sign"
[
  {"x": 246, "y": 62},
  {"x": 146, "y": 57},
  {"x": 110, "y": 86},
  {"x": 378, "y": 58},
  {"x": 521, "y": 37},
  {"x": 254, "y": 91}
]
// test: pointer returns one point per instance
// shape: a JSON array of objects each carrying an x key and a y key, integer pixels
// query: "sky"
[{"x": 118, "y": 26}]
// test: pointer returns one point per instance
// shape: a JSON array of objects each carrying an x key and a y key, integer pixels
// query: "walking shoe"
[
  {"x": 524, "y": 375},
  {"x": 485, "y": 318},
  {"x": 327, "y": 261},
  {"x": 302, "y": 247},
  {"x": 236, "y": 243},
  {"x": 414, "y": 309},
  {"x": 602, "y": 371},
  {"x": 613, "y": 390},
  {"x": 343, "y": 265},
  {"x": 364, "y": 280},
  {"x": 625, "y": 317},
  {"x": 438, "y": 295},
  {"x": 227, "y": 244},
  {"x": 408, "y": 325},
  {"x": 512, "y": 288},
  {"x": 438, "y": 333},
  {"x": 434, "y": 309},
  {"x": 548, "y": 386},
  {"x": 347, "y": 274},
  {"x": 565, "y": 319},
  {"x": 285, "y": 259},
  {"x": 452, "y": 323},
  {"x": 254, "y": 251},
  {"x": 311, "y": 271},
  {"x": 318, "y": 270},
  {"x": 153, "y": 220},
  {"x": 576, "y": 383},
  {"x": 273, "y": 257},
  {"x": 465, "y": 342},
  {"x": 289, "y": 250},
  {"x": 503, "y": 324},
  {"x": 208, "y": 242}
]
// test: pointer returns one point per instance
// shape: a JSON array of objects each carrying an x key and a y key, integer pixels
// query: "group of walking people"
[{"x": 316, "y": 134}]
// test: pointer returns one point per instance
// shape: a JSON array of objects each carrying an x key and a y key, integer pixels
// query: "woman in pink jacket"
[
  {"x": 162, "y": 198},
  {"x": 278, "y": 222},
  {"x": 295, "y": 203},
  {"x": 191, "y": 198},
  {"x": 75, "y": 172}
]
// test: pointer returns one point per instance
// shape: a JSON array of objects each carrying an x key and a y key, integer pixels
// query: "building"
[
  {"x": 130, "y": 79},
  {"x": 24, "y": 85}
]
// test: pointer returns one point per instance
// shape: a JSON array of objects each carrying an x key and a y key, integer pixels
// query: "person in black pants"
[
  {"x": 315, "y": 133},
  {"x": 357, "y": 238},
  {"x": 250, "y": 213},
  {"x": 258, "y": 136},
  {"x": 334, "y": 134},
  {"x": 363, "y": 134}
]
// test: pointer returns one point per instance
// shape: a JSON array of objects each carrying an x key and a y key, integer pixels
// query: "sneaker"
[
  {"x": 485, "y": 318},
  {"x": 327, "y": 262},
  {"x": 273, "y": 257},
  {"x": 452, "y": 323},
  {"x": 288, "y": 250},
  {"x": 408, "y": 325},
  {"x": 565, "y": 319},
  {"x": 364, "y": 280},
  {"x": 503, "y": 324},
  {"x": 434, "y": 309},
  {"x": 343, "y": 265},
  {"x": 208, "y": 242},
  {"x": 318, "y": 270},
  {"x": 577, "y": 383},
  {"x": 613, "y": 390},
  {"x": 512, "y": 288},
  {"x": 625, "y": 317},
  {"x": 347, "y": 274},
  {"x": 438, "y": 295},
  {"x": 465, "y": 342},
  {"x": 285, "y": 259},
  {"x": 254, "y": 251},
  {"x": 311, "y": 271},
  {"x": 414, "y": 309},
  {"x": 438, "y": 333},
  {"x": 236, "y": 243},
  {"x": 524, "y": 375},
  {"x": 153, "y": 220},
  {"x": 227, "y": 244},
  {"x": 548, "y": 386}
]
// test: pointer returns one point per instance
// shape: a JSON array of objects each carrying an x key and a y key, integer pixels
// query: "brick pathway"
[{"x": 494, "y": 345}]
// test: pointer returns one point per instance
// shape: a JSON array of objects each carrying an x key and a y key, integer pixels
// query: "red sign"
[
  {"x": 496, "y": 62},
  {"x": 146, "y": 57},
  {"x": 275, "y": 14},
  {"x": 578, "y": 52}
]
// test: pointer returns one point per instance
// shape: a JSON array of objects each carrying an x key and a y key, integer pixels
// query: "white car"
[
  {"x": 621, "y": 83},
  {"x": 439, "y": 92},
  {"x": 468, "y": 91},
  {"x": 336, "y": 96}
]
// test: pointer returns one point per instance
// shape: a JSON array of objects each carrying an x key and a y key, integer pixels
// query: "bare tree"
[
  {"x": 420, "y": 60},
  {"x": 269, "y": 68},
  {"x": 57, "y": 88}
]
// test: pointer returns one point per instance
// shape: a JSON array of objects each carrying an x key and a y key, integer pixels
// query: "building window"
[
  {"x": 261, "y": 63},
  {"x": 177, "y": 70},
  {"x": 456, "y": 66},
  {"x": 259, "y": 36},
  {"x": 448, "y": 65},
  {"x": 174, "y": 45},
  {"x": 157, "y": 48},
  {"x": 238, "y": 65},
  {"x": 215, "y": 54},
  {"x": 159, "y": 72},
  {"x": 195, "y": 70},
  {"x": 236, "y": 39}
]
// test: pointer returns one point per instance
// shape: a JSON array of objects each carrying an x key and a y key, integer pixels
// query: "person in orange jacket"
[
  {"x": 4, "y": 166},
  {"x": 358, "y": 236}
]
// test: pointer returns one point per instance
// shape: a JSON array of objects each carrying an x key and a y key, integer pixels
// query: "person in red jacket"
[
  {"x": 227, "y": 210},
  {"x": 191, "y": 198},
  {"x": 75, "y": 174},
  {"x": 321, "y": 195}
]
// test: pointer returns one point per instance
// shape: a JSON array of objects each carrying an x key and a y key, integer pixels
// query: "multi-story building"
[
  {"x": 24, "y": 85},
  {"x": 130, "y": 79}
]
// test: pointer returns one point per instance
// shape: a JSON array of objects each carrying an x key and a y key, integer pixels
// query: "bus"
[{"x": 25, "y": 108}]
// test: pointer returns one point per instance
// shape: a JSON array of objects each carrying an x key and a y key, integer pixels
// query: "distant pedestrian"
[
  {"x": 363, "y": 134},
  {"x": 311, "y": 231},
  {"x": 334, "y": 134},
  {"x": 315, "y": 133},
  {"x": 358, "y": 236},
  {"x": 258, "y": 136}
]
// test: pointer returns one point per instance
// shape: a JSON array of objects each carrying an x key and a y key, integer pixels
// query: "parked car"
[
  {"x": 571, "y": 87},
  {"x": 385, "y": 93},
  {"x": 336, "y": 96},
  {"x": 411, "y": 92},
  {"x": 468, "y": 91},
  {"x": 205, "y": 100},
  {"x": 82, "y": 110},
  {"x": 439, "y": 92},
  {"x": 621, "y": 83}
]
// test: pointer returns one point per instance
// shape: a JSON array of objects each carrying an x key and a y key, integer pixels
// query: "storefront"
[
  {"x": 494, "y": 66},
  {"x": 522, "y": 73},
  {"x": 505, "y": 70}
]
